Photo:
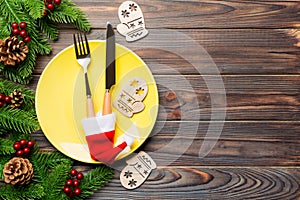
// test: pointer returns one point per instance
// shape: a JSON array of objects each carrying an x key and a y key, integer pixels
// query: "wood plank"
[
  {"x": 233, "y": 51},
  {"x": 210, "y": 183},
  {"x": 240, "y": 143},
  {"x": 247, "y": 97},
  {"x": 200, "y": 14}
]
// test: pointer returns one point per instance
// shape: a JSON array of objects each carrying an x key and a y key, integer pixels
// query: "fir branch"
[
  {"x": 5, "y": 30},
  {"x": 95, "y": 179},
  {"x": 67, "y": 12},
  {"x": 38, "y": 44},
  {"x": 32, "y": 191},
  {"x": 2, "y": 130},
  {"x": 48, "y": 28},
  {"x": 44, "y": 161},
  {"x": 13, "y": 11},
  {"x": 80, "y": 20},
  {"x": 3, "y": 159},
  {"x": 19, "y": 120},
  {"x": 35, "y": 7},
  {"x": 55, "y": 181},
  {"x": 6, "y": 147},
  {"x": 64, "y": 13}
]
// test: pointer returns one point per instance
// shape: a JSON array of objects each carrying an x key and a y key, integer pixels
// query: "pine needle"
[{"x": 13, "y": 119}]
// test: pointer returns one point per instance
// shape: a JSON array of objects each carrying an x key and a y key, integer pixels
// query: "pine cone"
[
  {"x": 18, "y": 171},
  {"x": 12, "y": 51},
  {"x": 17, "y": 98}
]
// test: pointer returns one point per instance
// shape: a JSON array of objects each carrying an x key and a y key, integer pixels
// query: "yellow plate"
[{"x": 61, "y": 100}]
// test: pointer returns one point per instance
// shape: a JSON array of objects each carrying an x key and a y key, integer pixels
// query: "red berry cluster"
[
  {"x": 4, "y": 99},
  {"x": 73, "y": 184},
  {"x": 23, "y": 147},
  {"x": 22, "y": 32},
  {"x": 50, "y": 4}
]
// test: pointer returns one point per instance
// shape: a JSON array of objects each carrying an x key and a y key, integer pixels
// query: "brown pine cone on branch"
[
  {"x": 17, "y": 98},
  {"x": 12, "y": 51},
  {"x": 18, "y": 171}
]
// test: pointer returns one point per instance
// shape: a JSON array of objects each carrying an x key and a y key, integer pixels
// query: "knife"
[{"x": 110, "y": 70}]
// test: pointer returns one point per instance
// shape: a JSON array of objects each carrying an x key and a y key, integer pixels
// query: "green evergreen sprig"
[
  {"x": 51, "y": 170},
  {"x": 40, "y": 28},
  {"x": 13, "y": 119},
  {"x": 95, "y": 179},
  {"x": 33, "y": 191},
  {"x": 6, "y": 147}
]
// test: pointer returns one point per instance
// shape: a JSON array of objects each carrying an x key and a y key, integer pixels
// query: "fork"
[{"x": 83, "y": 57}]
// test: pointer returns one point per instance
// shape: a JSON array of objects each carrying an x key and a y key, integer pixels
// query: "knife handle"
[
  {"x": 90, "y": 107},
  {"x": 107, "y": 104}
]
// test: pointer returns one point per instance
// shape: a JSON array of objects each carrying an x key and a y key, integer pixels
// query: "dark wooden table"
[{"x": 255, "y": 46}]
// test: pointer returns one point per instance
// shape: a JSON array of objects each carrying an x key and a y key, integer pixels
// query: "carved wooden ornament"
[
  {"x": 129, "y": 100},
  {"x": 137, "y": 171}
]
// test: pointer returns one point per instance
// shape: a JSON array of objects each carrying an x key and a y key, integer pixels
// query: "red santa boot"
[
  {"x": 100, "y": 133},
  {"x": 110, "y": 155}
]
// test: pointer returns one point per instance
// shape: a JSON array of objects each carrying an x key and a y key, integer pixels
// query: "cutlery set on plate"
[
  {"x": 83, "y": 56},
  {"x": 100, "y": 128}
]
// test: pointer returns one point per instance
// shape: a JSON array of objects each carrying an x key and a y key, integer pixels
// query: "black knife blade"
[{"x": 110, "y": 57}]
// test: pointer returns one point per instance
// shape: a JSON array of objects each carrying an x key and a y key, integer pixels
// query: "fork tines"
[{"x": 81, "y": 49}]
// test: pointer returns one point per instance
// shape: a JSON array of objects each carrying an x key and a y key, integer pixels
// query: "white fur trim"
[
  {"x": 99, "y": 124},
  {"x": 128, "y": 139}
]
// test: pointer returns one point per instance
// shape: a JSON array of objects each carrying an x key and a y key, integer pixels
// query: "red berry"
[
  {"x": 14, "y": 25},
  {"x": 17, "y": 146},
  {"x": 69, "y": 183},
  {"x": 15, "y": 31},
  {"x": 20, "y": 152},
  {"x": 23, "y": 142},
  {"x": 27, "y": 39},
  {"x": 49, "y": 1},
  {"x": 7, "y": 99},
  {"x": 77, "y": 191},
  {"x": 79, "y": 176},
  {"x": 23, "y": 25},
  {"x": 1, "y": 104},
  {"x": 30, "y": 144},
  {"x": 57, "y": 2},
  {"x": 67, "y": 190},
  {"x": 2, "y": 97},
  {"x": 26, "y": 150},
  {"x": 73, "y": 172},
  {"x": 76, "y": 183},
  {"x": 45, "y": 12},
  {"x": 50, "y": 6},
  {"x": 23, "y": 33}
]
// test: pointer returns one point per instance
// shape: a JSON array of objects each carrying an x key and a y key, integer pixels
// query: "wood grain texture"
[
  {"x": 210, "y": 183},
  {"x": 255, "y": 47},
  {"x": 239, "y": 144},
  {"x": 200, "y": 14},
  {"x": 247, "y": 97},
  {"x": 234, "y": 51}
]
